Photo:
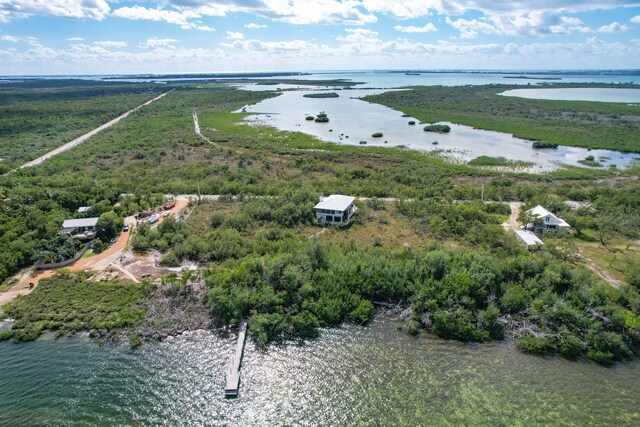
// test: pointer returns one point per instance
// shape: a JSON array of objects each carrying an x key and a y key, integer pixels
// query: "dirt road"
[
  {"x": 97, "y": 262},
  {"x": 79, "y": 140},
  {"x": 512, "y": 222}
]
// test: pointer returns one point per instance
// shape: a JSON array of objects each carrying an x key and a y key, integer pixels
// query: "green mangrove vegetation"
[
  {"x": 322, "y": 117},
  {"x": 436, "y": 250},
  {"x": 321, "y": 95},
  {"x": 590, "y": 161},
  {"x": 499, "y": 161},
  {"x": 437, "y": 128},
  {"x": 69, "y": 303},
  {"x": 38, "y": 117},
  {"x": 541, "y": 145}
]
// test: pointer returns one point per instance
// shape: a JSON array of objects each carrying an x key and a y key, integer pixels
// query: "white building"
[
  {"x": 550, "y": 222},
  {"x": 335, "y": 209},
  {"x": 528, "y": 239}
]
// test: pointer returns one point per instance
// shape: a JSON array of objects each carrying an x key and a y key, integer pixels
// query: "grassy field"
[
  {"x": 616, "y": 259},
  {"x": 576, "y": 123},
  {"x": 380, "y": 226}
]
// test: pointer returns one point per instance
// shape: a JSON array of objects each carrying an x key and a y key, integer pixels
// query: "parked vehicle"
[
  {"x": 153, "y": 218},
  {"x": 125, "y": 228}
]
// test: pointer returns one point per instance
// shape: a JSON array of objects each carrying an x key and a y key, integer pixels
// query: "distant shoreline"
[{"x": 171, "y": 76}]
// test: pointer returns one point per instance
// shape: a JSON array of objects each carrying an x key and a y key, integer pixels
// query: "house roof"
[
  {"x": 80, "y": 222},
  {"x": 84, "y": 208},
  {"x": 528, "y": 237},
  {"x": 541, "y": 212},
  {"x": 335, "y": 202}
]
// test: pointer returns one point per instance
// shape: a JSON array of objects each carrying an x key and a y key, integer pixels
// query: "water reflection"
[{"x": 352, "y": 375}]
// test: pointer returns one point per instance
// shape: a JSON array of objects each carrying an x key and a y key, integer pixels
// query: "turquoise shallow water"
[{"x": 350, "y": 376}]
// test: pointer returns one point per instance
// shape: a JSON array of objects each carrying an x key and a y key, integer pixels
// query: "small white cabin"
[
  {"x": 528, "y": 239},
  {"x": 335, "y": 209}
]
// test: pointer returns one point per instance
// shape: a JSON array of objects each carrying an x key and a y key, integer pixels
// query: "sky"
[{"x": 45, "y": 37}]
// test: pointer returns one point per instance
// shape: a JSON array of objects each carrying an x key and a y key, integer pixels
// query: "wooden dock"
[{"x": 233, "y": 373}]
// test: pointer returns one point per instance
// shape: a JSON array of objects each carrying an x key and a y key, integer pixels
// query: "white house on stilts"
[{"x": 335, "y": 209}]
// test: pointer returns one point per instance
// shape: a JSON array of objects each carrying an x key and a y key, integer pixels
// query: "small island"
[
  {"x": 322, "y": 117},
  {"x": 590, "y": 161},
  {"x": 377, "y": 135},
  {"x": 438, "y": 128},
  {"x": 321, "y": 95},
  {"x": 499, "y": 161},
  {"x": 542, "y": 145}
]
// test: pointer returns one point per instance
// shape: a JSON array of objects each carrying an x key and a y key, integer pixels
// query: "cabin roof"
[
  {"x": 80, "y": 222},
  {"x": 528, "y": 238},
  {"x": 335, "y": 202}
]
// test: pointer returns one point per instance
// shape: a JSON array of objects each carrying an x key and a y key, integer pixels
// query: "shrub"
[
  {"x": 438, "y": 128},
  {"x": 536, "y": 345},
  {"x": 217, "y": 219},
  {"x": 490, "y": 319},
  {"x": 571, "y": 346},
  {"x": 633, "y": 277},
  {"x": 542, "y": 144},
  {"x": 134, "y": 340},
  {"x": 362, "y": 313}
]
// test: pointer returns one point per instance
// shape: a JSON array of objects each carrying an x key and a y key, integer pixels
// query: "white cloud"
[
  {"x": 317, "y": 12},
  {"x": 614, "y": 27},
  {"x": 10, "y": 39},
  {"x": 231, "y": 35},
  {"x": 75, "y": 39},
  {"x": 297, "y": 12},
  {"x": 527, "y": 24},
  {"x": 471, "y": 28},
  {"x": 259, "y": 46},
  {"x": 403, "y": 9},
  {"x": 636, "y": 19},
  {"x": 92, "y": 9},
  {"x": 359, "y": 35},
  {"x": 253, "y": 26},
  {"x": 364, "y": 46},
  {"x": 205, "y": 28},
  {"x": 156, "y": 43},
  {"x": 110, "y": 43},
  {"x": 170, "y": 16},
  {"x": 429, "y": 27}
]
